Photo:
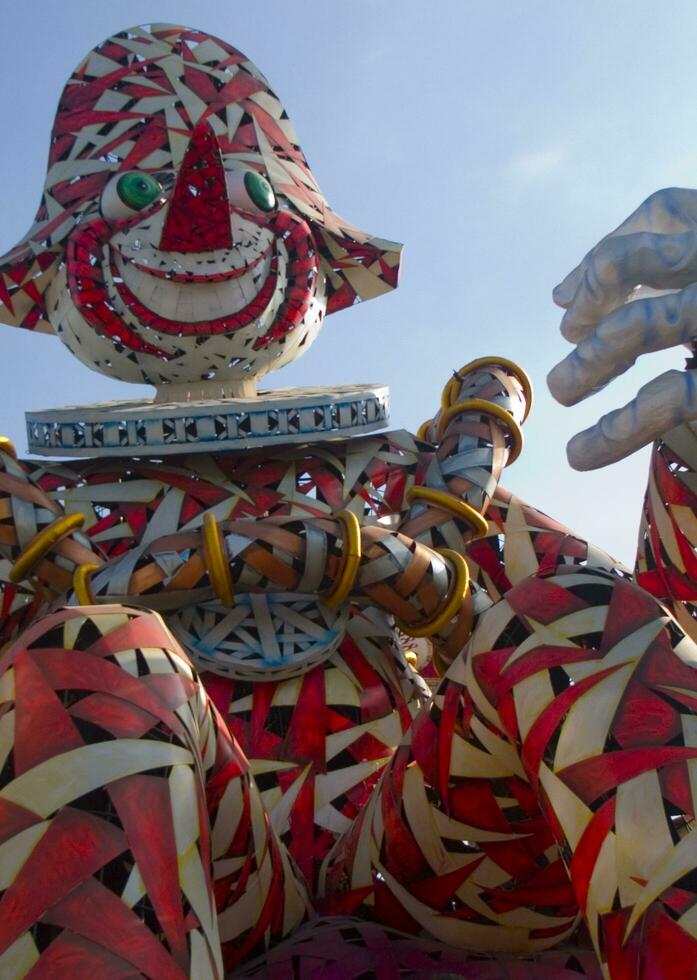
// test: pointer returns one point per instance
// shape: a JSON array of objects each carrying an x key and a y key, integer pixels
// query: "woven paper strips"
[
  {"x": 217, "y": 757},
  {"x": 505, "y": 783}
]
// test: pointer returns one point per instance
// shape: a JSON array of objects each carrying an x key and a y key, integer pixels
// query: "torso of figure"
[
  {"x": 328, "y": 732},
  {"x": 317, "y": 697},
  {"x": 317, "y": 731},
  {"x": 317, "y": 738}
]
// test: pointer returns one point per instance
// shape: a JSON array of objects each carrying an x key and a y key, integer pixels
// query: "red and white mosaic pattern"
[
  {"x": 530, "y": 813},
  {"x": 193, "y": 285}
]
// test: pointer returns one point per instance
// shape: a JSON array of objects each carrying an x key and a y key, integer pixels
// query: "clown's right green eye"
[
  {"x": 260, "y": 191},
  {"x": 127, "y": 194},
  {"x": 138, "y": 190}
]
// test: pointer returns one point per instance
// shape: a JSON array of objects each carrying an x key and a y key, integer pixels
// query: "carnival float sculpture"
[{"x": 282, "y": 695}]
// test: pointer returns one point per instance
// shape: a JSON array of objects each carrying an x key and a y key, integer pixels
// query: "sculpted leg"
[
  {"x": 127, "y": 813},
  {"x": 551, "y": 778},
  {"x": 601, "y": 702},
  {"x": 453, "y": 842}
]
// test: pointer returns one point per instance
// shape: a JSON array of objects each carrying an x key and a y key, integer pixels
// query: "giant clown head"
[{"x": 182, "y": 240}]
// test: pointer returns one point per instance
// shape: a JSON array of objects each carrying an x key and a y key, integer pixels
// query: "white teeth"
[
  {"x": 248, "y": 287},
  {"x": 146, "y": 289},
  {"x": 215, "y": 305},
  {"x": 185, "y": 306},
  {"x": 163, "y": 301},
  {"x": 190, "y": 302}
]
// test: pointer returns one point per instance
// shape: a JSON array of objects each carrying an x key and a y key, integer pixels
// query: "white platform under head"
[{"x": 146, "y": 428}]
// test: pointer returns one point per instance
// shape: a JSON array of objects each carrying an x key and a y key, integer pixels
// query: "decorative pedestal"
[{"x": 143, "y": 428}]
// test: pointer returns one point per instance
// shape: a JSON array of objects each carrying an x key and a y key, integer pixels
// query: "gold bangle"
[
  {"x": 486, "y": 407},
  {"x": 350, "y": 559},
  {"x": 217, "y": 564},
  {"x": 82, "y": 588},
  {"x": 450, "y": 394},
  {"x": 421, "y": 432},
  {"x": 452, "y": 603},
  {"x": 7, "y": 447},
  {"x": 42, "y": 543},
  {"x": 453, "y": 505}
]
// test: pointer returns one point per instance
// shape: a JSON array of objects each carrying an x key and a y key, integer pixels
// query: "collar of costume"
[{"x": 148, "y": 428}]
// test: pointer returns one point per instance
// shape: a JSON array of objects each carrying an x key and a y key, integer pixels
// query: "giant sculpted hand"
[{"x": 635, "y": 292}]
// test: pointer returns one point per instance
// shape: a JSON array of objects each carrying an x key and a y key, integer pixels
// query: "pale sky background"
[{"x": 499, "y": 141}]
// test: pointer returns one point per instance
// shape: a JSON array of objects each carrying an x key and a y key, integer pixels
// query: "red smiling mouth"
[
  {"x": 220, "y": 325},
  {"x": 88, "y": 270}
]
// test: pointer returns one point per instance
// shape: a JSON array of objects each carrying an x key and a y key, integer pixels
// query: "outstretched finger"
[
  {"x": 659, "y": 406},
  {"x": 669, "y": 211},
  {"x": 620, "y": 264},
  {"x": 637, "y": 328}
]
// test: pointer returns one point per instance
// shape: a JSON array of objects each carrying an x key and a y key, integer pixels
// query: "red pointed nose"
[{"x": 199, "y": 212}]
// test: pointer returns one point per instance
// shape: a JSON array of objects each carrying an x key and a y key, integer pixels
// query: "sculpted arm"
[
  {"x": 41, "y": 546},
  {"x": 633, "y": 293}
]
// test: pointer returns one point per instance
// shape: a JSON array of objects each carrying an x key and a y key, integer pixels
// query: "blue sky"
[{"x": 498, "y": 141}]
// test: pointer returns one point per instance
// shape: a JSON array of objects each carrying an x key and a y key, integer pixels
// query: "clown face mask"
[{"x": 182, "y": 240}]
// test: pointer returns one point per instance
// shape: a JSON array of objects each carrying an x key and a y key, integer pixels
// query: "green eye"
[
  {"x": 137, "y": 190},
  {"x": 260, "y": 191}
]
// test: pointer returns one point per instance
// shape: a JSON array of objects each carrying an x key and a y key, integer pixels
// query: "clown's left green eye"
[
  {"x": 260, "y": 191},
  {"x": 250, "y": 191},
  {"x": 138, "y": 190},
  {"x": 127, "y": 194}
]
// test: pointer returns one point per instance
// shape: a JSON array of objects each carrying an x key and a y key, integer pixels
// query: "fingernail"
[
  {"x": 561, "y": 294},
  {"x": 559, "y": 384}
]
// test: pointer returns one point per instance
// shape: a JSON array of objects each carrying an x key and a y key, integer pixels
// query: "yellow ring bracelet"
[
  {"x": 350, "y": 559},
  {"x": 421, "y": 432},
  {"x": 217, "y": 564},
  {"x": 450, "y": 392},
  {"x": 7, "y": 447},
  {"x": 453, "y": 505},
  {"x": 42, "y": 543},
  {"x": 81, "y": 584},
  {"x": 452, "y": 603},
  {"x": 486, "y": 407}
]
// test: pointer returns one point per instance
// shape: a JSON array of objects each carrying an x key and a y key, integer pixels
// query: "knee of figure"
[
  {"x": 136, "y": 641},
  {"x": 101, "y": 796},
  {"x": 78, "y": 679}
]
